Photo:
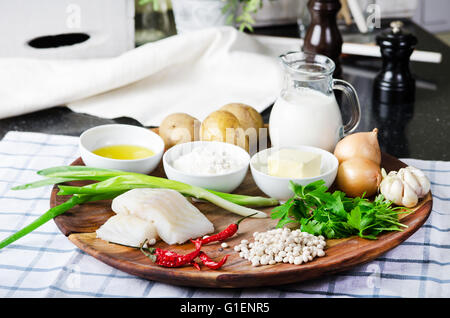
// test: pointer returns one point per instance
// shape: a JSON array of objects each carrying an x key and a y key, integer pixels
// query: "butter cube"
[{"x": 292, "y": 163}]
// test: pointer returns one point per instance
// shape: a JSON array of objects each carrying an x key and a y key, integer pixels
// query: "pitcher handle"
[{"x": 352, "y": 97}]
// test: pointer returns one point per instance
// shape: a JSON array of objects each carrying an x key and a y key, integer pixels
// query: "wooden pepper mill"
[{"x": 323, "y": 35}]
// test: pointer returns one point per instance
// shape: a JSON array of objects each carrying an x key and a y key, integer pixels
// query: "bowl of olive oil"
[{"x": 121, "y": 147}]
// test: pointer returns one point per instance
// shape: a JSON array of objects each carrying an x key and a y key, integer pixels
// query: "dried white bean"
[{"x": 281, "y": 245}]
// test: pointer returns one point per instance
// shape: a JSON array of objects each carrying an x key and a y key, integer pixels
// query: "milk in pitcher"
[
  {"x": 306, "y": 112},
  {"x": 307, "y": 117}
]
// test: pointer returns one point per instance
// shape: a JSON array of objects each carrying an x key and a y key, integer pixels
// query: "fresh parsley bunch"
[{"x": 334, "y": 215}]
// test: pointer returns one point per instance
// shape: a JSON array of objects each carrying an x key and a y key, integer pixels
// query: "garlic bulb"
[
  {"x": 404, "y": 187},
  {"x": 416, "y": 179}
]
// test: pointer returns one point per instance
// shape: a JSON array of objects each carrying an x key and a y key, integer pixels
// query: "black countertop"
[{"x": 420, "y": 130}]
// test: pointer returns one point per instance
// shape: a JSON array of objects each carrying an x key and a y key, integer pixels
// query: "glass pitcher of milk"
[{"x": 306, "y": 112}]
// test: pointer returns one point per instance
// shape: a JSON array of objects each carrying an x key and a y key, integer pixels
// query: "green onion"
[
  {"x": 127, "y": 182},
  {"x": 136, "y": 180},
  {"x": 54, "y": 212},
  {"x": 111, "y": 183}
]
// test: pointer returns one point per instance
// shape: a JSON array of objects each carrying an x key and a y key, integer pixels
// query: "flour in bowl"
[{"x": 207, "y": 161}]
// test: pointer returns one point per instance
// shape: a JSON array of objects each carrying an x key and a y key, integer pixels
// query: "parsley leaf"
[{"x": 334, "y": 215}]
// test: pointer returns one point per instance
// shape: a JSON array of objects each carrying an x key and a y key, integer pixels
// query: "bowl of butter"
[{"x": 273, "y": 168}]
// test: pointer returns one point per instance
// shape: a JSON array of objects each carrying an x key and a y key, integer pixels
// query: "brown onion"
[
  {"x": 361, "y": 144},
  {"x": 358, "y": 175}
]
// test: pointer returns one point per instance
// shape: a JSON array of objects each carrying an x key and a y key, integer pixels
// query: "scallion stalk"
[
  {"x": 52, "y": 213},
  {"x": 111, "y": 183},
  {"x": 131, "y": 181},
  {"x": 126, "y": 182}
]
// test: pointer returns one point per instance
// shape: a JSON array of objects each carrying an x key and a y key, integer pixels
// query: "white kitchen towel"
[
  {"x": 46, "y": 264},
  {"x": 195, "y": 73}
]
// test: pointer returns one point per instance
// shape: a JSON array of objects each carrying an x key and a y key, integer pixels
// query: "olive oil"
[{"x": 124, "y": 152}]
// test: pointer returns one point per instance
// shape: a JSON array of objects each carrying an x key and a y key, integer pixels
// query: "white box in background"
[{"x": 88, "y": 28}]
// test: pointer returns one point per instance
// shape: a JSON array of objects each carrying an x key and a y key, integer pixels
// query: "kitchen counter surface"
[{"x": 419, "y": 130}]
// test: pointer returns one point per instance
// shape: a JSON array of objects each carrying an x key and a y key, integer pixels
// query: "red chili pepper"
[
  {"x": 195, "y": 264},
  {"x": 172, "y": 259},
  {"x": 228, "y": 232},
  {"x": 207, "y": 261}
]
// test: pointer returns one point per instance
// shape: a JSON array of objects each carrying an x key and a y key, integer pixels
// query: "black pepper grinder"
[
  {"x": 395, "y": 84},
  {"x": 323, "y": 35}
]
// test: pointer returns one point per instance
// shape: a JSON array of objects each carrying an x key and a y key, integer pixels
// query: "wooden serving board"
[{"x": 79, "y": 225}]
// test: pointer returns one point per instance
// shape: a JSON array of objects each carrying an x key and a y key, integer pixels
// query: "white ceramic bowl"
[
  {"x": 117, "y": 134},
  {"x": 226, "y": 182},
  {"x": 278, "y": 187}
]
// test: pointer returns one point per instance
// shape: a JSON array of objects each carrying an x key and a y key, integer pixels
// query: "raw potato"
[
  {"x": 251, "y": 122},
  {"x": 179, "y": 128},
  {"x": 223, "y": 126},
  {"x": 248, "y": 116}
]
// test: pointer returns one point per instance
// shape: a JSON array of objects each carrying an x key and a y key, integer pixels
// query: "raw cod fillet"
[
  {"x": 175, "y": 218},
  {"x": 127, "y": 230}
]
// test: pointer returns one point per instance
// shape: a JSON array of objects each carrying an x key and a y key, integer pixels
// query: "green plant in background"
[
  {"x": 154, "y": 2},
  {"x": 244, "y": 19}
]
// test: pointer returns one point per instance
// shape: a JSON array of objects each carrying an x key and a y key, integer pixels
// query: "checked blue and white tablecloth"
[{"x": 46, "y": 264}]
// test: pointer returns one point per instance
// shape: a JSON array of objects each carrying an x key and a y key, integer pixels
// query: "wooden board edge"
[{"x": 308, "y": 271}]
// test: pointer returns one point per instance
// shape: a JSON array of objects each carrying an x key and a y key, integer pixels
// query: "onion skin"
[
  {"x": 358, "y": 175},
  {"x": 361, "y": 144}
]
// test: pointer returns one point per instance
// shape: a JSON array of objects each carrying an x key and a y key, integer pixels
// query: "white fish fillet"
[
  {"x": 175, "y": 218},
  {"x": 127, "y": 230}
]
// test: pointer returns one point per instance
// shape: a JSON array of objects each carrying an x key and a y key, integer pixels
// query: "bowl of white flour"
[{"x": 211, "y": 165}]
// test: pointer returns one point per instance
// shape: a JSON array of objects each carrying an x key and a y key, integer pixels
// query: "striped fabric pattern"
[{"x": 45, "y": 264}]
